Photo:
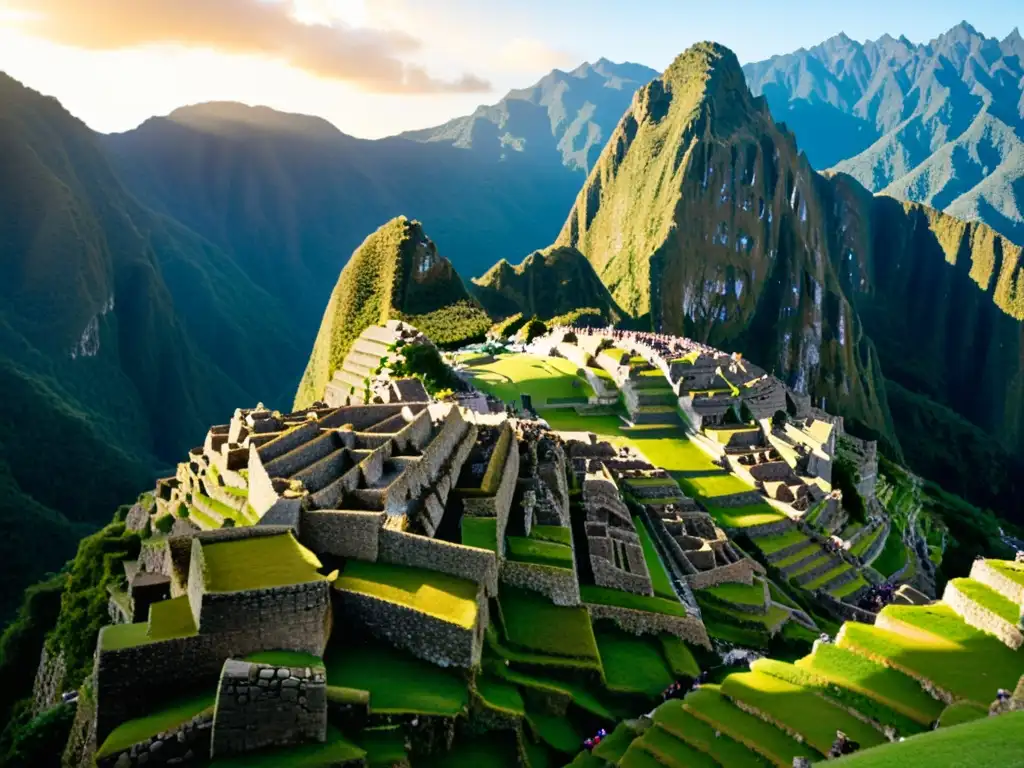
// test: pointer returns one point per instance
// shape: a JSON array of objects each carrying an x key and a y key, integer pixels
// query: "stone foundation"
[
  {"x": 559, "y": 585},
  {"x": 262, "y": 705},
  {"x": 186, "y": 744},
  {"x": 688, "y": 628}
]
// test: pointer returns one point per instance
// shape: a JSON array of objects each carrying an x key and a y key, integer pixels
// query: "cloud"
[
  {"x": 529, "y": 54},
  {"x": 370, "y": 59}
]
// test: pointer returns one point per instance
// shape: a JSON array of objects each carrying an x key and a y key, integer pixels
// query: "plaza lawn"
[
  {"x": 893, "y": 555},
  {"x": 436, "y": 594},
  {"x": 260, "y": 562},
  {"x": 480, "y": 532},
  {"x": 609, "y": 596},
  {"x": 632, "y": 664},
  {"x": 989, "y": 741},
  {"x": 970, "y": 669},
  {"x": 534, "y": 623},
  {"x": 555, "y": 533},
  {"x": 744, "y": 517},
  {"x": 398, "y": 682},
  {"x": 772, "y": 544},
  {"x": 740, "y": 594},
  {"x": 988, "y": 599},
  {"x": 672, "y": 751},
  {"x": 799, "y": 709},
  {"x": 170, "y": 716},
  {"x": 543, "y": 378},
  {"x": 500, "y": 695},
  {"x": 890, "y": 687},
  {"x": 171, "y": 618},
  {"x": 671, "y": 717},
  {"x": 680, "y": 659},
  {"x": 659, "y": 576},
  {"x": 337, "y": 750},
  {"x": 538, "y": 552},
  {"x": 708, "y": 705}
]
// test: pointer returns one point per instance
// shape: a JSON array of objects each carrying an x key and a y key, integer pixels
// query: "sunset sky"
[{"x": 377, "y": 67}]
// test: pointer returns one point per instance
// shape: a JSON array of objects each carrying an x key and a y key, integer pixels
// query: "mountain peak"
[{"x": 233, "y": 117}]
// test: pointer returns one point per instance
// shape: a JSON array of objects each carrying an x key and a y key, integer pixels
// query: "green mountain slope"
[
  {"x": 395, "y": 274},
  {"x": 122, "y": 335},
  {"x": 703, "y": 218},
  {"x": 545, "y": 284},
  {"x": 940, "y": 123},
  {"x": 565, "y": 117}
]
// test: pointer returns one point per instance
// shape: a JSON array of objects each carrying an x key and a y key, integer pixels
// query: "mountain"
[
  {"x": 396, "y": 273},
  {"x": 122, "y": 334},
  {"x": 704, "y": 219},
  {"x": 565, "y": 117},
  {"x": 940, "y": 123},
  {"x": 289, "y": 197},
  {"x": 545, "y": 284}
]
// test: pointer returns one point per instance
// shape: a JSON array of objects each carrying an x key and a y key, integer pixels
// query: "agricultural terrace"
[
  {"x": 258, "y": 562},
  {"x": 549, "y": 381}
]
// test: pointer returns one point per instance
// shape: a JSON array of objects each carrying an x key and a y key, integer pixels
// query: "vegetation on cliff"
[{"x": 396, "y": 273}]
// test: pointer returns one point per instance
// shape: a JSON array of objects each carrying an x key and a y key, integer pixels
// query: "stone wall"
[
  {"x": 262, "y": 494},
  {"x": 293, "y": 606},
  {"x": 982, "y": 618},
  {"x": 500, "y": 504},
  {"x": 183, "y": 745},
  {"x": 688, "y": 628},
  {"x": 558, "y": 584},
  {"x": 426, "y": 637},
  {"x": 477, "y": 565},
  {"x": 262, "y": 705},
  {"x": 343, "y": 533},
  {"x": 741, "y": 571},
  {"x": 46, "y": 689},
  {"x": 982, "y": 571}
]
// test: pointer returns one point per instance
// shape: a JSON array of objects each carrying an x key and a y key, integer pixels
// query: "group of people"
[
  {"x": 877, "y": 597},
  {"x": 593, "y": 741}
]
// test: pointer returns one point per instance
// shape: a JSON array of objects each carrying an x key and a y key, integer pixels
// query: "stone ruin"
[{"x": 364, "y": 374}]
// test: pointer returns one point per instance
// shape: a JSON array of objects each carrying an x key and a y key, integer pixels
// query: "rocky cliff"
[
  {"x": 703, "y": 218},
  {"x": 396, "y": 273}
]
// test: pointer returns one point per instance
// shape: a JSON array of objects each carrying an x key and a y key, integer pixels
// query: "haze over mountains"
[{"x": 154, "y": 280}]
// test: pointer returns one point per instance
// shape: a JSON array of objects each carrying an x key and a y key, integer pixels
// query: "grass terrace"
[
  {"x": 171, "y": 716},
  {"x": 614, "y": 745},
  {"x": 285, "y": 659},
  {"x": 538, "y": 552},
  {"x": 744, "y": 517},
  {"x": 554, "y": 533},
  {"x": 171, "y": 618},
  {"x": 534, "y": 623},
  {"x": 989, "y": 599},
  {"x": 500, "y": 695},
  {"x": 337, "y": 750},
  {"x": 671, "y": 751},
  {"x": 505, "y": 652},
  {"x": 436, "y": 594},
  {"x": 659, "y": 576},
  {"x": 384, "y": 746},
  {"x": 632, "y": 664},
  {"x": 893, "y": 555},
  {"x": 555, "y": 731},
  {"x": 673, "y": 718},
  {"x": 398, "y": 682},
  {"x": 847, "y": 589},
  {"x": 1009, "y": 569},
  {"x": 828, "y": 576},
  {"x": 581, "y": 696},
  {"x": 677, "y": 654},
  {"x": 480, "y": 532},
  {"x": 961, "y": 712},
  {"x": 260, "y": 562},
  {"x": 776, "y": 543},
  {"x": 741, "y": 594},
  {"x": 607, "y": 596}
]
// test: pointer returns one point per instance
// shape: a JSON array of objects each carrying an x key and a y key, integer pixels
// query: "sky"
[{"x": 378, "y": 67}]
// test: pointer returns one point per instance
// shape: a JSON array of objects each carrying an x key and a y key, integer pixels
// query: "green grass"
[
  {"x": 973, "y": 667},
  {"x": 961, "y": 712},
  {"x": 708, "y": 705},
  {"x": 674, "y": 719},
  {"x": 117, "y": 637},
  {"x": 771, "y": 619},
  {"x": 543, "y": 378},
  {"x": 746, "y": 516},
  {"x": 827, "y": 576},
  {"x": 337, "y": 750},
  {"x": 772, "y": 544},
  {"x": 848, "y": 588},
  {"x": 893, "y": 555},
  {"x": 811, "y": 548},
  {"x": 866, "y": 542},
  {"x": 532, "y": 622},
  {"x": 558, "y": 732},
  {"x": 672, "y": 751},
  {"x": 677, "y": 654},
  {"x": 1009, "y": 569},
  {"x": 799, "y": 709},
  {"x": 990, "y": 741},
  {"x": 781, "y": 597},
  {"x": 519, "y": 656},
  {"x": 554, "y": 533},
  {"x": 659, "y": 576},
  {"x": 810, "y": 565},
  {"x": 632, "y": 664},
  {"x": 500, "y": 695},
  {"x": 741, "y": 594},
  {"x": 989, "y": 599},
  {"x": 493, "y": 750},
  {"x": 480, "y": 532},
  {"x": 537, "y": 551},
  {"x": 171, "y": 618},
  {"x": 436, "y": 594},
  {"x": 384, "y": 746},
  {"x": 397, "y": 681},
  {"x": 285, "y": 659},
  {"x": 616, "y": 597},
  {"x": 169, "y": 717},
  {"x": 258, "y": 563},
  {"x": 614, "y": 745},
  {"x": 638, "y": 757},
  {"x": 581, "y": 696}
]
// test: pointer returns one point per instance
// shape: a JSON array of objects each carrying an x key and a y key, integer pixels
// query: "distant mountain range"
[{"x": 940, "y": 123}]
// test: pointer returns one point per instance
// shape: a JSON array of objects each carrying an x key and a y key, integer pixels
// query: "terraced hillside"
[{"x": 917, "y": 667}]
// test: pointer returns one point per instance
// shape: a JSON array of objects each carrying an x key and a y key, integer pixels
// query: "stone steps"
[
  {"x": 370, "y": 347},
  {"x": 813, "y": 553},
  {"x": 1001, "y": 576},
  {"x": 362, "y": 360},
  {"x": 351, "y": 379},
  {"x": 787, "y": 552},
  {"x": 986, "y": 610}
]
